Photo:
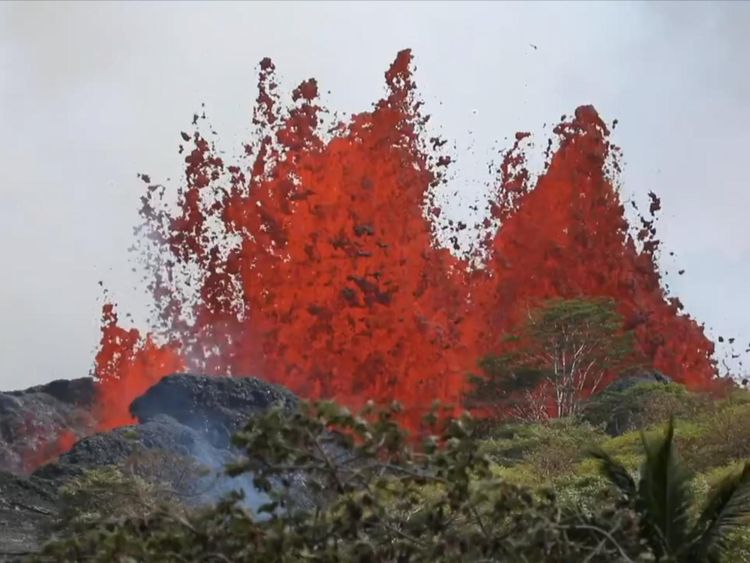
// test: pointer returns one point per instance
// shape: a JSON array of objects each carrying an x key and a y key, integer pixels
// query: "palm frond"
[
  {"x": 664, "y": 496},
  {"x": 727, "y": 511},
  {"x": 615, "y": 472}
]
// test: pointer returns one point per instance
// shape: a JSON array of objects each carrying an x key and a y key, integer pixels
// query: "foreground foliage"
[
  {"x": 146, "y": 481},
  {"x": 516, "y": 492},
  {"x": 380, "y": 500},
  {"x": 671, "y": 523}
]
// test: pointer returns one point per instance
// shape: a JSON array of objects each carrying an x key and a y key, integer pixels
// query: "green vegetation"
[
  {"x": 145, "y": 481},
  {"x": 559, "y": 490},
  {"x": 89, "y": 499},
  {"x": 640, "y": 406},
  {"x": 561, "y": 354},
  {"x": 386, "y": 501},
  {"x": 665, "y": 503}
]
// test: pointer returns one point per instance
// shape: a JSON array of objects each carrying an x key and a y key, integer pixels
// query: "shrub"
[
  {"x": 550, "y": 448},
  {"x": 583, "y": 492},
  {"x": 641, "y": 406},
  {"x": 719, "y": 436},
  {"x": 144, "y": 482},
  {"x": 99, "y": 493},
  {"x": 175, "y": 475}
]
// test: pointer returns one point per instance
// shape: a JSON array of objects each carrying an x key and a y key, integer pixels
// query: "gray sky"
[{"x": 92, "y": 93}]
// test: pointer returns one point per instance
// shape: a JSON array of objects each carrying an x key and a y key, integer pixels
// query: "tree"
[
  {"x": 562, "y": 354},
  {"x": 663, "y": 499}
]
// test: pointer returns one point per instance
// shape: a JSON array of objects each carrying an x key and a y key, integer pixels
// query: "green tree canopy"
[{"x": 561, "y": 354}]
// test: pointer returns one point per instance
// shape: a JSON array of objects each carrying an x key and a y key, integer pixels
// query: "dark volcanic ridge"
[
  {"x": 31, "y": 420},
  {"x": 183, "y": 421}
]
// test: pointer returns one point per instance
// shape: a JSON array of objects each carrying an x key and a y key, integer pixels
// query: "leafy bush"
[
  {"x": 641, "y": 406},
  {"x": 98, "y": 493},
  {"x": 722, "y": 439},
  {"x": 549, "y": 449},
  {"x": 586, "y": 493},
  {"x": 145, "y": 481},
  {"x": 173, "y": 474},
  {"x": 627, "y": 448}
]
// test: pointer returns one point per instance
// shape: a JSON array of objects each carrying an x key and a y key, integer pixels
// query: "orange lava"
[
  {"x": 48, "y": 451},
  {"x": 126, "y": 366},
  {"x": 312, "y": 261}
]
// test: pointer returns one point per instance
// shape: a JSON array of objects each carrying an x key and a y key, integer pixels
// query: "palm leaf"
[
  {"x": 615, "y": 472},
  {"x": 664, "y": 496},
  {"x": 727, "y": 511}
]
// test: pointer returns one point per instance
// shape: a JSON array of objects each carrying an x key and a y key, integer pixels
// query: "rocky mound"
[
  {"x": 27, "y": 511},
  {"x": 214, "y": 406},
  {"x": 183, "y": 421},
  {"x": 32, "y": 420}
]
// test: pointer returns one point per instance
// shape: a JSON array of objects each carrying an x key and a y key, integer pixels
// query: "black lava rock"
[
  {"x": 31, "y": 420},
  {"x": 217, "y": 407},
  {"x": 183, "y": 420},
  {"x": 28, "y": 508}
]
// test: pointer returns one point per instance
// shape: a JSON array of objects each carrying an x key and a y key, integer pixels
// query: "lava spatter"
[
  {"x": 568, "y": 237},
  {"x": 311, "y": 260}
]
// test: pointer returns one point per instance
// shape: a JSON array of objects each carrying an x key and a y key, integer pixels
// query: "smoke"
[
  {"x": 217, "y": 484},
  {"x": 201, "y": 414}
]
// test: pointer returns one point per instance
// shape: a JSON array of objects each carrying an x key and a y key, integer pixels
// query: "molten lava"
[
  {"x": 126, "y": 366},
  {"x": 313, "y": 262}
]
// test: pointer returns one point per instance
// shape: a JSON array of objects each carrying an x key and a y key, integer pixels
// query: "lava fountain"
[{"x": 313, "y": 260}]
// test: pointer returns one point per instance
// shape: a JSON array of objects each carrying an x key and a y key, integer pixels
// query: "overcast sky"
[{"x": 92, "y": 93}]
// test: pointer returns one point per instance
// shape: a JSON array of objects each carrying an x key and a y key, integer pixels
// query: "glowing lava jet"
[{"x": 313, "y": 261}]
